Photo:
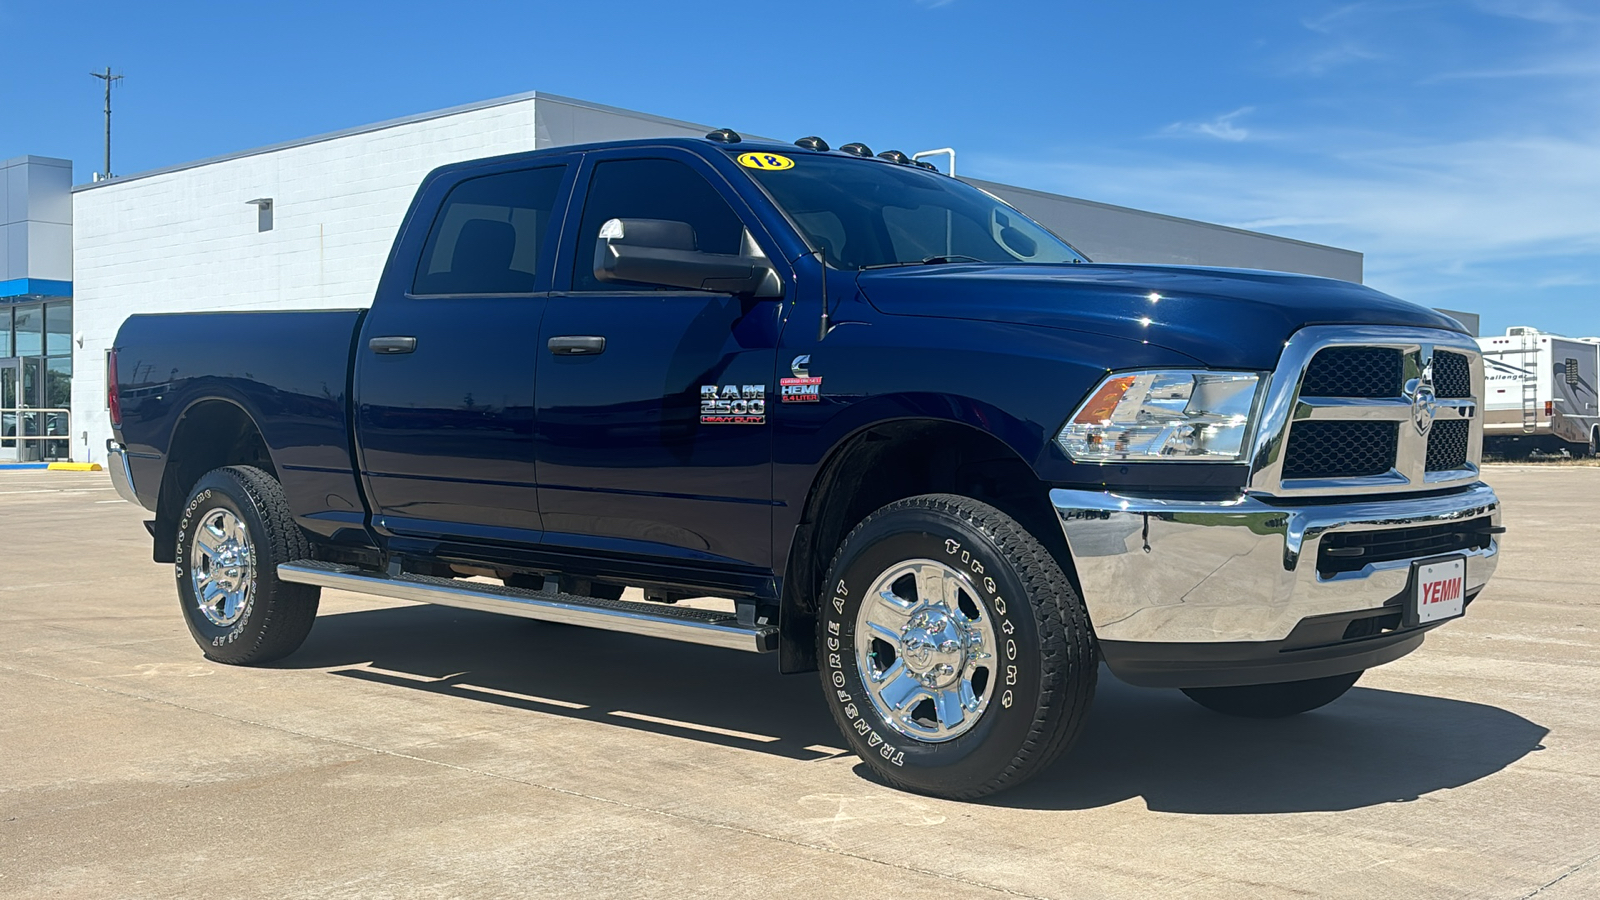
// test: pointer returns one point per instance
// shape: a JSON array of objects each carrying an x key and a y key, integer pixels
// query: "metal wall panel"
[{"x": 1117, "y": 234}]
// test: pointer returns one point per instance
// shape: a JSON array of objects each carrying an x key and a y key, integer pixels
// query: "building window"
[
  {"x": 58, "y": 329},
  {"x": 29, "y": 332},
  {"x": 5, "y": 332}
]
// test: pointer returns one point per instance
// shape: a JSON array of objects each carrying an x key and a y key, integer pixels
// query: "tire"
[
  {"x": 1003, "y": 594},
  {"x": 235, "y": 531},
  {"x": 1273, "y": 701}
]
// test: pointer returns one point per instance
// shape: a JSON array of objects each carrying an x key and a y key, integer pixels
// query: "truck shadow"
[
  {"x": 1370, "y": 747},
  {"x": 1367, "y": 748}
]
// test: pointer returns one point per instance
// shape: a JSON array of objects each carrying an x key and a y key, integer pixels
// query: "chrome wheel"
[
  {"x": 222, "y": 567},
  {"x": 925, "y": 646}
]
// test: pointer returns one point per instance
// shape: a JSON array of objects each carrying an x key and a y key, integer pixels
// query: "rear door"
[
  {"x": 630, "y": 460},
  {"x": 446, "y": 360}
]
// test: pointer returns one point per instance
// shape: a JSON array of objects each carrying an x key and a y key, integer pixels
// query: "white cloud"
[
  {"x": 1426, "y": 216},
  {"x": 1576, "y": 67},
  {"x": 1550, "y": 12},
  {"x": 1222, "y": 127}
]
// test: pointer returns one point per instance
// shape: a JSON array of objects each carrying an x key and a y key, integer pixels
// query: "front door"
[
  {"x": 632, "y": 459},
  {"x": 11, "y": 415},
  {"x": 445, "y": 366}
]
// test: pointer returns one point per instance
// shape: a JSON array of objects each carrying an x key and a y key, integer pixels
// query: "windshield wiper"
[{"x": 928, "y": 261}]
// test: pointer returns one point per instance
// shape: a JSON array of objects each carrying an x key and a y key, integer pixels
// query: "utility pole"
[{"x": 108, "y": 78}]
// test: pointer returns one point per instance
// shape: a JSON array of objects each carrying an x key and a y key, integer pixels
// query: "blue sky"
[{"x": 1454, "y": 142}]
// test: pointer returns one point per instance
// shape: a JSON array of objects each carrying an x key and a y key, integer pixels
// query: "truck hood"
[{"x": 1224, "y": 318}]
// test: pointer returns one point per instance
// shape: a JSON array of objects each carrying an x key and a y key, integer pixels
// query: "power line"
[{"x": 109, "y": 79}]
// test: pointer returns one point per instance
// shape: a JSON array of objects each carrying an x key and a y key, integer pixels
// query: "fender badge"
[
  {"x": 801, "y": 367},
  {"x": 800, "y": 390},
  {"x": 733, "y": 404}
]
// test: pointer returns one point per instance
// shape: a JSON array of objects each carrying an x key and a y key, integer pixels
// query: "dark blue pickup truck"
[{"x": 909, "y": 437}]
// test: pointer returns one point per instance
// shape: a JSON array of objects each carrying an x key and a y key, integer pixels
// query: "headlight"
[{"x": 1164, "y": 416}]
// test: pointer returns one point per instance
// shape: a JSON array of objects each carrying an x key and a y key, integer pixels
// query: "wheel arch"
[
  {"x": 210, "y": 433},
  {"x": 887, "y": 461}
]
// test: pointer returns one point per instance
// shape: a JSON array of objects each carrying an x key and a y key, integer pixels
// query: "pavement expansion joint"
[{"x": 1562, "y": 877}]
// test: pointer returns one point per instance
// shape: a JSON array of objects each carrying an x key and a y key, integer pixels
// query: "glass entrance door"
[{"x": 10, "y": 410}]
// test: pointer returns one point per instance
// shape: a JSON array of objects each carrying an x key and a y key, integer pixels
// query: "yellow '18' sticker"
[{"x": 765, "y": 161}]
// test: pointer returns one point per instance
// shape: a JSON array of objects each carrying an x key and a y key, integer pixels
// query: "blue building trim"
[{"x": 29, "y": 288}]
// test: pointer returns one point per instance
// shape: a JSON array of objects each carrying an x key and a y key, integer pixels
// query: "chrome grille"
[
  {"x": 1370, "y": 410},
  {"x": 1340, "y": 449},
  {"x": 1447, "y": 445},
  {"x": 1354, "y": 372},
  {"x": 1452, "y": 375}
]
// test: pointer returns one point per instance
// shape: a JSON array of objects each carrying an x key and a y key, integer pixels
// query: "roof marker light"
[
  {"x": 895, "y": 156},
  {"x": 861, "y": 150},
  {"x": 724, "y": 136},
  {"x": 813, "y": 143}
]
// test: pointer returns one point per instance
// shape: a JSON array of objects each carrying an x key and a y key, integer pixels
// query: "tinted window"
[
  {"x": 652, "y": 189},
  {"x": 491, "y": 236},
  {"x": 871, "y": 213}
]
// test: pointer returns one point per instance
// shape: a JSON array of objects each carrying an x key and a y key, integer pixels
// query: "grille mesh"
[
  {"x": 1399, "y": 543},
  {"x": 1340, "y": 449},
  {"x": 1447, "y": 445},
  {"x": 1353, "y": 372},
  {"x": 1452, "y": 376}
]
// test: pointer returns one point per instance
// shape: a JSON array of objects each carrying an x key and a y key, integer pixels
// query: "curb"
[{"x": 54, "y": 467}]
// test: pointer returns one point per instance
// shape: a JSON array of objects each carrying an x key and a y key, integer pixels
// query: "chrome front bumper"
[
  {"x": 121, "y": 475},
  {"x": 1241, "y": 570}
]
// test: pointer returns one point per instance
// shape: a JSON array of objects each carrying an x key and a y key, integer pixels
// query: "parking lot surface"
[{"x": 415, "y": 751}]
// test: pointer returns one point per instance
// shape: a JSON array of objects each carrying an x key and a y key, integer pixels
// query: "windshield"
[{"x": 867, "y": 213}]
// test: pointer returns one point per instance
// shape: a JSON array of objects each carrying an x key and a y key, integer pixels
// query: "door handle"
[
  {"x": 577, "y": 345},
  {"x": 385, "y": 346}
]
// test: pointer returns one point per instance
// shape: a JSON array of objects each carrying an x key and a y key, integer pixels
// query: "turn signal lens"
[
  {"x": 1099, "y": 407},
  {"x": 1176, "y": 416}
]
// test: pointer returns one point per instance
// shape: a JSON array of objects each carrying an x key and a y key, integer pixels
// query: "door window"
[
  {"x": 652, "y": 189},
  {"x": 492, "y": 235}
]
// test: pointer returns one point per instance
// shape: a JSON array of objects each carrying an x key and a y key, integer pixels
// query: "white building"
[{"x": 307, "y": 224}]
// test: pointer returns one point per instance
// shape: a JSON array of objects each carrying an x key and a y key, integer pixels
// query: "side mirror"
[{"x": 659, "y": 251}]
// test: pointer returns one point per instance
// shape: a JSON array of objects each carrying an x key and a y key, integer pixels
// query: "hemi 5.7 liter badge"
[
  {"x": 733, "y": 404},
  {"x": 800, "y": 390}
]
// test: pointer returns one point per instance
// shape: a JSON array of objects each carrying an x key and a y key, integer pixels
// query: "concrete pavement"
[{"x": 413, "y": 751}]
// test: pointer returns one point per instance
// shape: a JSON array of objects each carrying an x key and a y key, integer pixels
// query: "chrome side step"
[{"x": 695, "y": 626}]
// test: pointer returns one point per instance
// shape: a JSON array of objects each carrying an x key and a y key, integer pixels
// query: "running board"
[{"x": 694, "y": 626}]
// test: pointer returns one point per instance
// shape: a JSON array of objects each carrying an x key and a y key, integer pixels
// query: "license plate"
[{"x": 1439, "y": 589}]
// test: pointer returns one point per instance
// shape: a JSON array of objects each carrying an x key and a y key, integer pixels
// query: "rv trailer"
[{"x": 1539, "y": 394}]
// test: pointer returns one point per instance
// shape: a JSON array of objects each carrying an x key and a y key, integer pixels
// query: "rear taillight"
[
  {"x": 112, "y": 403},
  {"x": 1549, "y": 408}
]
